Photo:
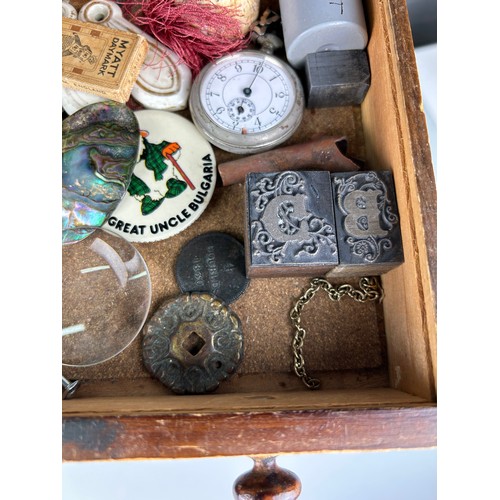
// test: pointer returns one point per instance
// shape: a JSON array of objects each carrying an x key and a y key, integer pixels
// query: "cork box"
[{"x": 376, "y": 362}]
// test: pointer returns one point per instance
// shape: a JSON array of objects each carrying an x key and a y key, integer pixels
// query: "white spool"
[{"x": 322, "y": 25}]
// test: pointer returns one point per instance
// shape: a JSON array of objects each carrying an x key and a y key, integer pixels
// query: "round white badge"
[{"x": 172, "y": 182}]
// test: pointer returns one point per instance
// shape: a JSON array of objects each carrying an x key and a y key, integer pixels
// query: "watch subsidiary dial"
[
  {"x": 241, "y": 109},
  {"x": 246, "y": 102}
]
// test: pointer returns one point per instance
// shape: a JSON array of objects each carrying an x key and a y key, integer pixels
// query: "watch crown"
[{"x": 269, "y": 43}]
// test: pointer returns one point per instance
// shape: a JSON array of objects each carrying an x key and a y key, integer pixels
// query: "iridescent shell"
[{"x": 100, "y": 147}]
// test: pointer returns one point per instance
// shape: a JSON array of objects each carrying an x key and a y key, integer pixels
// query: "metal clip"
[{"x": 268, "y": 42}]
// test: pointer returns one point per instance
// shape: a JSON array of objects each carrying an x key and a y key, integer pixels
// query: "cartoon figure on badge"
[{"x": 157, "y": 158}]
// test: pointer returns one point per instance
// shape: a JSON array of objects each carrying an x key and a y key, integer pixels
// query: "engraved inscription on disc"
[{"x": 213, "y": 263}]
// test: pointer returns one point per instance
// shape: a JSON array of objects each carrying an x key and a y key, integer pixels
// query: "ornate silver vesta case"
[
  {"x": 290, "y": 224},
  {"x": 367, "y": 221}
]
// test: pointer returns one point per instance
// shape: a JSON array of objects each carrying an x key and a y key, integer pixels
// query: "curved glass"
[{"x": 106, "y": 295}]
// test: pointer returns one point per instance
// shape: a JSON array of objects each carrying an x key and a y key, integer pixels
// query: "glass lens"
[{"x": 106, "y": 295}]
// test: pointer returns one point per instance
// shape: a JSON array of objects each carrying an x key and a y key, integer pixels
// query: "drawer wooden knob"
[{"x": 267, "y": 481}]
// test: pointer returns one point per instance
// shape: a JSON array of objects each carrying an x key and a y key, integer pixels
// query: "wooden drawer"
[{"x": 377, "y": 364}]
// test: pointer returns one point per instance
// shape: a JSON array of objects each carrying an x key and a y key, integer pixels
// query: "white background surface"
[
  {"x": 395, "y": 475},
  {"x": 426, "y": 56}
]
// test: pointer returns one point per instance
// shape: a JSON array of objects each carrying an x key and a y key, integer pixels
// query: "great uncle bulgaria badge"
[{"x": 171, "y": 184}]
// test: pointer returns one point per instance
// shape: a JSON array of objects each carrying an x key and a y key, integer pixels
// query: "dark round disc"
[{"x": 213, "y": 263}]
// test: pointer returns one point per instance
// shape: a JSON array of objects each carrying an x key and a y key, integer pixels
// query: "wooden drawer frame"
[{"x": 402, "y": 415}]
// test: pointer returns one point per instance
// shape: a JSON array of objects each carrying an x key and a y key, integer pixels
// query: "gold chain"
[{"x": 369, "y": 289}]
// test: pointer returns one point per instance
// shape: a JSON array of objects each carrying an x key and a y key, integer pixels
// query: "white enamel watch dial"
[{"x": 247, "y": 101}]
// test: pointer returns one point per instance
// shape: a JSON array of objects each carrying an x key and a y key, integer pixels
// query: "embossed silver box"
[
  {"x": 290, "y": 224},
  {"x": 367, "y": 221}
]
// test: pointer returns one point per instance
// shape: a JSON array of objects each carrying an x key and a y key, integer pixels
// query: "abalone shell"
[{"x": 100, "y": 147}]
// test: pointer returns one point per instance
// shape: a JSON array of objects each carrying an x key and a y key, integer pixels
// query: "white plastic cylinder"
[{"x": 319, "y": 25}]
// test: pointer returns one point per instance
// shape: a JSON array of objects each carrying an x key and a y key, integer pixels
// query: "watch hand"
[{"x": 248, "y": 90}]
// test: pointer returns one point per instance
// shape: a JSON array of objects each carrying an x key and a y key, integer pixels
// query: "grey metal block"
[
  {"x": 290, "y": 224},
  {"x": 337, "y": 78}
]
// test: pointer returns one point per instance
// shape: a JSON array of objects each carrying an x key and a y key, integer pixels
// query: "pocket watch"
[{"x": 247, "y": 101}]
